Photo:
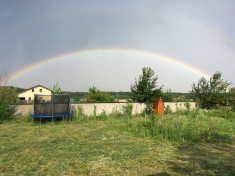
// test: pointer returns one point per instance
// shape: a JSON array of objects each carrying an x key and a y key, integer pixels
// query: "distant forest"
[
  {"x": 116, "y": 95},
  {"x": 124, "y": 95}
]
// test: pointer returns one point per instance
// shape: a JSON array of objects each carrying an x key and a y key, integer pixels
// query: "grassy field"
[{"x": 110, "y": 146}]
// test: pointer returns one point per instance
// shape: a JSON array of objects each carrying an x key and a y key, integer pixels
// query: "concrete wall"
[
  {"x": 180, "y": 105},
  {"x": 23, "y": 110},
  {"x": 88, "y": 108}
]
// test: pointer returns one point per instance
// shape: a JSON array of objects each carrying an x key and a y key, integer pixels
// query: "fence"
[{"x": 88, "y": 108}]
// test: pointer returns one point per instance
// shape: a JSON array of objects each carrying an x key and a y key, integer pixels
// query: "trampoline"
[{"x": 51, "y": 106}]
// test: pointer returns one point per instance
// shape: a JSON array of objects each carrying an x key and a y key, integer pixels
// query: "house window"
[
  {"x": 40, "y": 90},
  {"x": 32, "y": 90},
  {"x": 29, "y": 98}
]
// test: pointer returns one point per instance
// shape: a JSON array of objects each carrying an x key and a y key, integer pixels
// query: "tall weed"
[
  {"x": 184, "y": 127},
  {"x": 127, "y": 110},
  {"x": 168, "y": 110},
  {"x": 102, "y": 116},
  {"x": 115, "y": 113}
]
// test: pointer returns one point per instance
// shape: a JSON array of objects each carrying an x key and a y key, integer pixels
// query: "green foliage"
[
  {"x": 231, "y": 93},
  {"x": 76, "y": 98},
  {"x": 7, "y": 96},
  {"x": 187, "y": 105},
  {"x": 145, "y": 89},
  {"x": 168, "y": 110},
  {"x": 180, "y": 100},
  {"x": 223, "y": 112},
  {"x": 186, "y": 127},
  {"x": 102, "y": 116},
  {"x": 127, "y": 110},
  {"x": 209, "y": 93},
  {"x": 57, "y": 89},
  {"x": 95, "y": 95},
  {"x": 94, "y": 147},
  {"x": 233, "y": 107},
  {"x": 95, "y": 111},
  {"x": 149, "y": 109},
  {"x": 167, "y": 96},
  {"x": 115, "y": 113},
  {"x": 80, "y": 111}
]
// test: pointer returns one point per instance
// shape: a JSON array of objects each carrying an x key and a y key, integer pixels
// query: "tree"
[
  {"x": 167, "y": 96},
  {"x": 95, "y": 95},
  {"x": 57, "y": 89},
  {"x": 209, "y": 93},
  {"x": 8, "y": 95},
  {"x": 145, "y": 89},
  {"x": 231, "y": 93}
]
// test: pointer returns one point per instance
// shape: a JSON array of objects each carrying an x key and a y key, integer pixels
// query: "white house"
[{"x": 28, "y": 94}]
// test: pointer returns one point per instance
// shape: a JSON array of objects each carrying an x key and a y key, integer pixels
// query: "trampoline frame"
[{"x": 52, "y": 100}]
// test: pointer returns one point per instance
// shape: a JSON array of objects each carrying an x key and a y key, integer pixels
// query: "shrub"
[
  {"x": 127, "y": 110},
  {"x": 94, "y": 111},
  {"x": 96, "y": 95},
  {"x": 80, "y": 111},
  {"x": 102, "y": 116},
  {"x": 168, "y": 110},
  {"x": 233, "y": 106},
  {"x": 7, "y": 96},
  {"x": 149, "y": 109},
  {"x": 115, "y": 113}
]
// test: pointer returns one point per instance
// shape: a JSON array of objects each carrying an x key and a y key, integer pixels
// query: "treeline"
[
  {"x": 116, "y": 94},
  {"x": 126, "y": 95},
  {"x": 83, "y": 95}
]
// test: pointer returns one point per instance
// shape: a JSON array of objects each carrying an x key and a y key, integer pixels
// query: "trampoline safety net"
[{"x": 51, "y": 105}]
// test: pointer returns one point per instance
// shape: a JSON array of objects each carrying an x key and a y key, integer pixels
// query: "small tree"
[
  {"x": 8, "y": 95},
  {"x": 208, "y": 93},
  {"x": 145, "y": 89},
  {"x": 57, "y": 89},
  {"x": 95, "y": 95}
]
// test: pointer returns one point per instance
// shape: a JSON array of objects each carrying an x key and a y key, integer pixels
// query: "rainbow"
[{"x": 107, "y": 50}]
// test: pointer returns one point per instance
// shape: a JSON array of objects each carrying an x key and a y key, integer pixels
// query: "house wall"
[
  {"x": 27, "y": 94},
  {"x": 88, "y": 108}
]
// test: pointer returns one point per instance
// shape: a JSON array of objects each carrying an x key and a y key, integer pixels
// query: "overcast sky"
[{"x": 199, "y": 33}]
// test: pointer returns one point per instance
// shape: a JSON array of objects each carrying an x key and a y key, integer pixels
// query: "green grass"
[{"x": 110, "y": 146}]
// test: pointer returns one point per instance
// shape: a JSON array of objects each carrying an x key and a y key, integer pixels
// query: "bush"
[
  {"x": 223, "y": 112},
  {"x": 7, "y": 96},
  {"x": 149, "y": 109},
  {"x": 115, "y": 113},
  {"x": 96, "y": 95},
  {"x": 168, "y": 110},
  {"x": 233, "y": 106},
  {"x": 127, "y": 110},
  {"x": 102, "y": 116}
]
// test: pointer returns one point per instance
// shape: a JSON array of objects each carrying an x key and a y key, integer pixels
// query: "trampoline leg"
[
  {"x": 40, "y": 120},
  {"x": 52, "y": 119},
  {"x": 63, "y": 118}
]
